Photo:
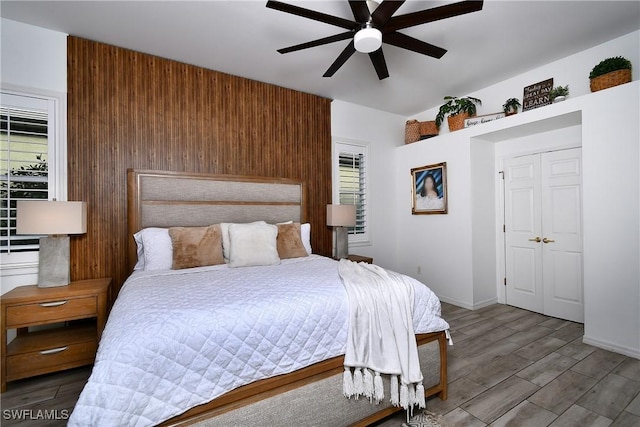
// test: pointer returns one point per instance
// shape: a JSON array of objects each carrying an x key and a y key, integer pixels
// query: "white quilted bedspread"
[{"x": 177, "y": 339}]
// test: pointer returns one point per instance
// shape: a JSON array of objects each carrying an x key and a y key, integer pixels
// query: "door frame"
[{"x": 567, "y": 138}]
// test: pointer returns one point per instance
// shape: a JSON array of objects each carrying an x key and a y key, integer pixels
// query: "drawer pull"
[
  {"x": 53, "y": 304},
  {"x": 53, "y": 350}
]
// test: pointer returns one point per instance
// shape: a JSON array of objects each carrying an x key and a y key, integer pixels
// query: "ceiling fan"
[{"x": 375, "y": 24}]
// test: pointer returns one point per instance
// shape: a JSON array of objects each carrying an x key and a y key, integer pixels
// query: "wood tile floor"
[
  {"x": 508, "y": 367},
  {"x": 512, "y": 367}
]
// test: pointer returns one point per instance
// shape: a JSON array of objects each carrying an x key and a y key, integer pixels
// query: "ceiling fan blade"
[
  {"x": 377, "y": 59},
  {"x": 435, "y": 14},
  {"x": 407, "y": 42},
  {"x": 360, "y": 10},
  {"x": 319, "y": 42},
  {"x": 384, "y": 11},
  {"x": 312, "y": 14},
  {"x": 342, "y": 58}
]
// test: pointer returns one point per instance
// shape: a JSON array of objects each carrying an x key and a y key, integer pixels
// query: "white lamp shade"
[
  {"x": 51, "y": 217},
  {"x": 341, "y": 215}
]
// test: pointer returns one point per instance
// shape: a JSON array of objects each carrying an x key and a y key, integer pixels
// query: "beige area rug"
[{"x": 426, "y": 419}]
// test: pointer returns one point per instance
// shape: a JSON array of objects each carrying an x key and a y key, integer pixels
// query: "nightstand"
[
  {"x": 40, "y": 352},
  {"x": 359, "y": 258}
]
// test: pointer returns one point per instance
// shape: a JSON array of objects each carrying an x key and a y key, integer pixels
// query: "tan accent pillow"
[
  {"x": 289, "y": 241},
  {"x": 196, "y": 246}
]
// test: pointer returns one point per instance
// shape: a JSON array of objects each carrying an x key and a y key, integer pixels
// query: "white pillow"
[
  {"x": 139, "y": 251},
  {"x": 305, "y": 234},
  {"x": 226, "y": 243},
  {"x": 253, "y": 244},
  {"x": 155, "y": 250}
]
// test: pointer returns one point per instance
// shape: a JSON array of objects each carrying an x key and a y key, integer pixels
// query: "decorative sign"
[
  {"x": 537, "y": 95},
  {"x": 472, "y": 121}
]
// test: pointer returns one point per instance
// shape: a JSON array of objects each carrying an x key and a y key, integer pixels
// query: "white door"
[
  {"x": 562, "y": 234},
  {"x": 523, "y": 221},
  {"x": 543, "y": 233}
]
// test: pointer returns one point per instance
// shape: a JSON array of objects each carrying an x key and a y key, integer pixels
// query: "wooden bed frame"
[{"x": 166, "y": 199}]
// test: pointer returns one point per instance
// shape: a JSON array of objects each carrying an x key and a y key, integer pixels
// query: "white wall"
[
  {"x": 483, "y": 214},
  {"x": 606, "y": 125},
  {"x": 611, "y": 211},
  {"x": 606, "y": 122},
  {"x": 573, "y": 71},
  {"x": 33, "y": 57},
  {"x": 381, "y": 131},
  {"x": 438, "y": 245},
  {"x": 33, "y": 60}
]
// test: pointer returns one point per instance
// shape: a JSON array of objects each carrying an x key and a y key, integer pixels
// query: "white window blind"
[
  {"x": 352, "y": 187},
  {"x": 24, "y": 171},
  {"x": 350, "y": 174}
]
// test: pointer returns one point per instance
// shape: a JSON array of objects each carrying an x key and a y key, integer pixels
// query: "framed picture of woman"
[{"x": 429, "y": 188}]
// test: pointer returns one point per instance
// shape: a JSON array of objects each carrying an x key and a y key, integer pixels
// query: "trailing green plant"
[
  {"x": 610, "y": 64},
  {"x": 511, "y": 105},
  {"x": 455, "y": 106},
  {"x": 559, "y": 91}
]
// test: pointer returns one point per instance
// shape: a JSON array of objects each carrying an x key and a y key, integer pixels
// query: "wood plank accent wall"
[{"x": 127, "y": 109}]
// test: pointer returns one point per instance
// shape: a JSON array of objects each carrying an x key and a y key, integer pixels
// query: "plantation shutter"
[
  {"x": 352, "y": 187},
  {"x": 24, "y": 172}
]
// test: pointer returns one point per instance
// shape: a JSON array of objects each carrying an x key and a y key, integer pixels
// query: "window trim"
[
  {"x": 359, "y": 147},
  {"x": 19, "y": 263}
]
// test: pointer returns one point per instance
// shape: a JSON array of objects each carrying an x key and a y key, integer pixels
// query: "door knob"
[
  {"x": 537, "y": 240},
  {"x": 545, "y": 240}
]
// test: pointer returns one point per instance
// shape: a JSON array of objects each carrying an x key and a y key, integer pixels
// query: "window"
[
  {"x": 25, "y": 150},
  {"x": 351, "y": 177}
]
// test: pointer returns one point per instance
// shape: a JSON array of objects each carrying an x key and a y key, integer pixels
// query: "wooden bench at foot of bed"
[{"x": 312, "y": 395}]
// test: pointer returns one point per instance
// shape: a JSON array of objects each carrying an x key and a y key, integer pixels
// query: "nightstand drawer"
[
  {"x": 50, "y": 311},
  {"x": 50, "y": 359}
]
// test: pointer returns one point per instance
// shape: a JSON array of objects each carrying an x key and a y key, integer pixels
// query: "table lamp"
[
  {"x": 53, "y": 221},
  {"x": 341, "y": 217}
]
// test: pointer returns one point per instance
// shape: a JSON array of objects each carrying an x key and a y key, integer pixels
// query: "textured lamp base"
[
  {"x": 342, "y": 242},
  {"x": 53, "y": 267}
]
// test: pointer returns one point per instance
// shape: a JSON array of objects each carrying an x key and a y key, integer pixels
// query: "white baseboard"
[
  {"x": 606, "y": 345},
  {"x": 468, "y": 306},
  {"x": 485, "y": 303}
]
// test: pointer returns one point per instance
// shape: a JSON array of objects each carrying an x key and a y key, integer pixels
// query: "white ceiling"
[{"x": 506, "y": 38}]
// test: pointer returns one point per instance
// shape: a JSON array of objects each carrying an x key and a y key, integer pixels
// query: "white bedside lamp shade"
[
  {"x": 51, "y": 217},
  {"x": 55, "y": 220},
  {"x": 341, "y": 217}
]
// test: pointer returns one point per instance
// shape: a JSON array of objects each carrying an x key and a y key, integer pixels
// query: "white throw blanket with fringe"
[{"x": 380, "y": 336}]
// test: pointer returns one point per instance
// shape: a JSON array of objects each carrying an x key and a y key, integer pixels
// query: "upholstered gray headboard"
[{"x": 179, "y": 199}]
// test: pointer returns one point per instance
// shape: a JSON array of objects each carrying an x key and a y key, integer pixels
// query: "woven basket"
[
  {"x": 412, "y": 131},
  {"x": 457, "y": 122},
  {"x": 611, "y": 79},
  {"x": 428, "y": 128}
]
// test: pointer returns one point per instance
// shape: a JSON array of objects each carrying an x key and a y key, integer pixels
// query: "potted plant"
[
  {"x": 457, "y": 110},
  {"x": 559, "y": 93},
  {"x": 511, "y": 106},
  {"x": 610, "y": 72}
]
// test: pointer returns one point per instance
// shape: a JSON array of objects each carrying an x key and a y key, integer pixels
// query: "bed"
[{"x": 145, "y": 370}]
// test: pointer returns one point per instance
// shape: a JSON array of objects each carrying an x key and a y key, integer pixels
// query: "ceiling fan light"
[{"x": 368, "y": 40}]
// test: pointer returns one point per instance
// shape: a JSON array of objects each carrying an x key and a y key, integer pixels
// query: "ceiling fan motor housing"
[{"x": 368, "y": 39}]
